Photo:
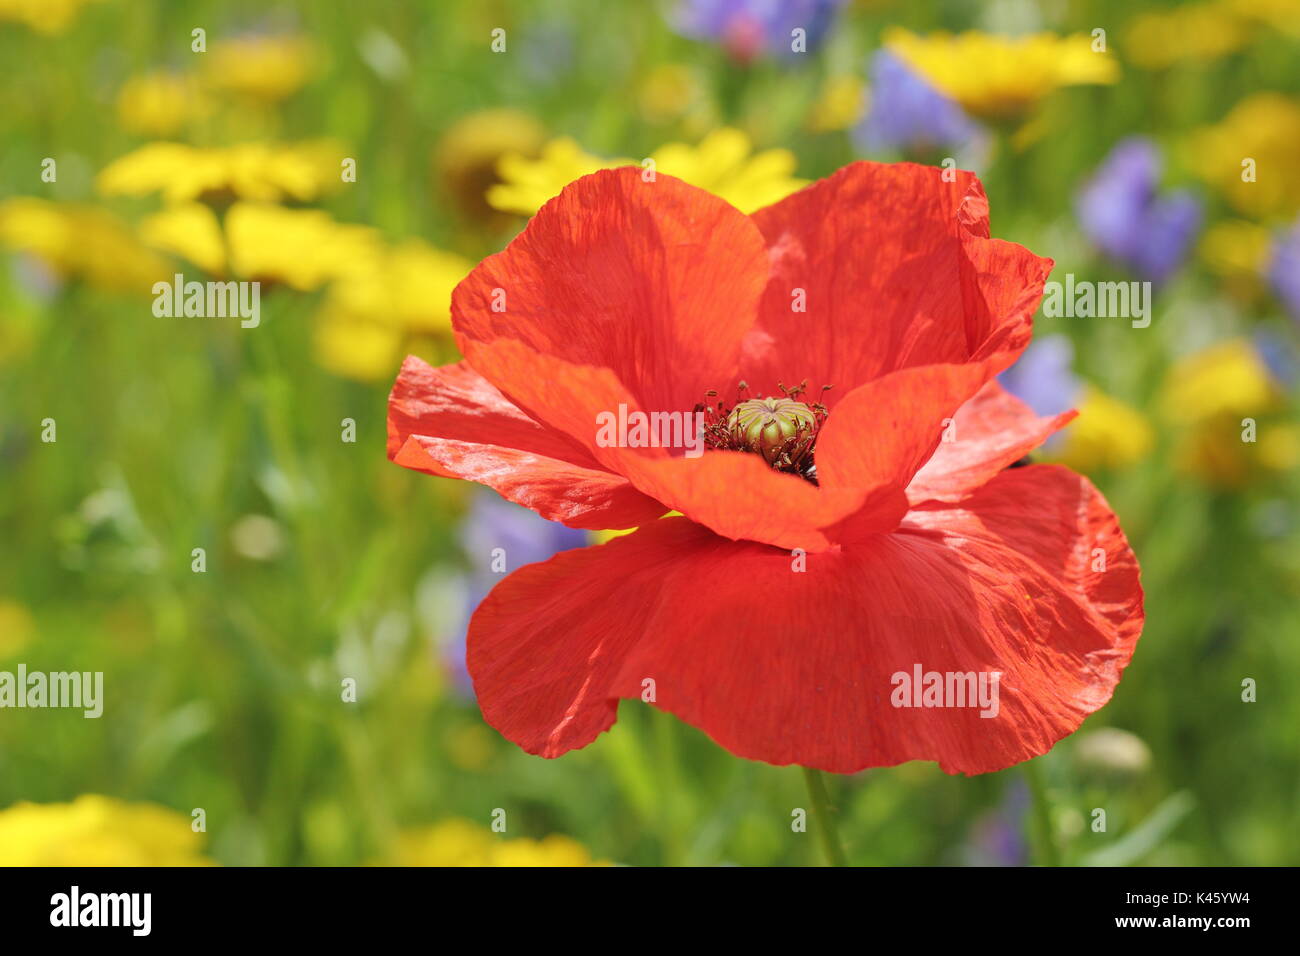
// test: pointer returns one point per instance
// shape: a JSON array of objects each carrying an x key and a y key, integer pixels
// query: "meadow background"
[{"x": 325, "y": 562}]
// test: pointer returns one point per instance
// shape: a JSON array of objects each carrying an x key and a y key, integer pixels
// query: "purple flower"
[
  {"x": 1122, "y": 215},
  {"x": 997, "y": 837},
  {"x": 1042, "y": 378},
  {"x": 747, "y": 28},
  {"x": 499, "y": 537},
  {"x": 907, "y": 113},
  {"x": 1284, "y": 269}
]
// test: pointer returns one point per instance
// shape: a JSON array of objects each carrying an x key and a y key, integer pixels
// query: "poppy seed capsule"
[{"x": 764, "y": 425}]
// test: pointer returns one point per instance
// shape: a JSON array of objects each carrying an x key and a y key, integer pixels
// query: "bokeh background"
[{"x": 325, "y": 562}]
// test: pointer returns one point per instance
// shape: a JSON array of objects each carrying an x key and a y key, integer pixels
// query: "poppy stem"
[
  {"x": 1047, "y": 851},
  {"x": 821, "y": 810}
]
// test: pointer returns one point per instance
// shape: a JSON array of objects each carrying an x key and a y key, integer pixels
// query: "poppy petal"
[
  {"x": 990, "y": 432},
  {"x": 452, "y": 422},
  {"x": 893, "y": 267},
  {"x": 1031, "y": 578},
  {"x": 657, "y": 281}
]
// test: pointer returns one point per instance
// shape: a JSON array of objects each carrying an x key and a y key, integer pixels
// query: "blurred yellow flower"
[
  {"x": 190, "y": 230},
  {"x": 1260, "y": 140},
  {"x": 839, "y": 105},
  {"x": 1107, "y": 434},
  {"x": 412, "y": 286},
  {"x": 465, "y": 159},
  {"x": 999, "y": 77},
  {"x": 1236, "y": 247},
  {"x": 1227, "y": 378},
  {"x": 1197, "y": 32},
  {"x": 16, "y": 628},
  {"x": 303, "y": 248},
  {"x": 368, "y": 316},
  {"x": 43, "y": 16},
  {"x": 669, "y": 91},
  {"x": 1281, "y": 15},
  {"x": 527, "y": 184},
  {"x": 263, "y": 67},
  {"x": 159, "y": 103},
  {"x": 458, "y": 842},
  {"x": 78, "y": 241},
  {"x": 245, "y": 171},
  {"x": 722, "y": 163},
  {"x": 1211, "y": 393},
  {"x": 97, "y": 831}
]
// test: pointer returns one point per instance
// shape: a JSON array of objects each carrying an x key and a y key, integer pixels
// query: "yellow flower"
[
  {"x": 159, "y": 103},
  {"x": 189, "y": 230},
  {"x": 1282, "y": 15},
  {"x": 457, "y": 842},
  {"x": 97, "y": 831},
  {"x": 527, "y": 184},
  {"x": 1236, "y": 248},
  {"x": 1197, "y": 32},
  {"x": 1225, "y": 379},
  {"x": 1265, "y": 128},
  {"x": 369, "y": 314},
  {"x": 303, "y": 248},
  {"x": 1107, "y": 434},
  {"x": 465, "y": 159},
  {"x": 356, "y": 348},
  {"x": 246, "y": 171},
  {"x": 999, "y": 77},
  {"x": 1212, "y": 393},
  {"x": 839, "y": 106},
  {"x": 722, "y": 163},
  {"x": 268, "y": 68},
  {"x": 44, "y": 16},
  {"x": 16, "y": 628},
  {"x": 412, "y": 287},
  {"x": 78, "y": 241},
  {"x": 668, "y": 92}
]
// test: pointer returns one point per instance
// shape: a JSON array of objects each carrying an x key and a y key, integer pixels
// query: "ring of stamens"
[{"x": 781, "y": 429}]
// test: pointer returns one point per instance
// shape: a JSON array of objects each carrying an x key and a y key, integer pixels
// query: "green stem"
[
  {"x": 1048, "y": 853},
  {"x": 821, "y": 809}
]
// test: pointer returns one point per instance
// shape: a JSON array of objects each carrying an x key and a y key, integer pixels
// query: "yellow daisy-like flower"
[
  {"x": 458, "y": 842},
  {"x": 245, "y": 171},
  {"x": 465, "y": 159},
  {"x": 97, "y": 831},
  {"x": 159, "y": 103},
  {"x": 190, "y": 230},
  {"x": 723, "y": 163},
  {"x": 268, "y": 68},
  {"x": 1260, "y": 140},
  {"x": 1107, "y": 434},
  {"x": 303, "y": 248},
  {"x": 368, "y": 316},
  {"x": 998, "y": 77},
  {"x": 1195, "y": 32},
  {"x": 50, "y": 17},
  {"x": 79, "y": 241}
]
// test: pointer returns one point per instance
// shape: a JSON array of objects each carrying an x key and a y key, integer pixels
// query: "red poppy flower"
[{"x": 878, "y": 531}]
